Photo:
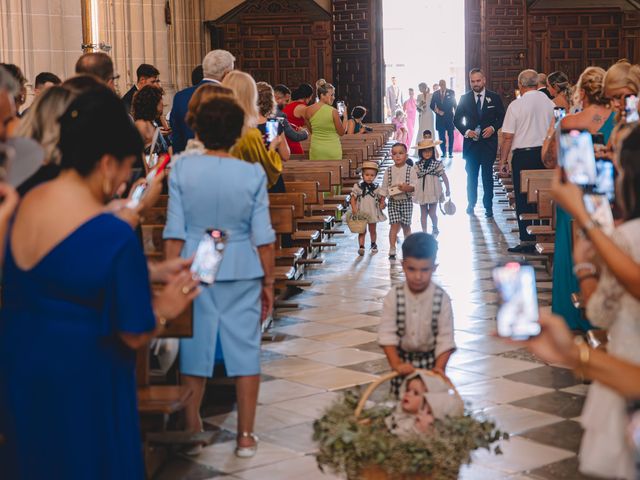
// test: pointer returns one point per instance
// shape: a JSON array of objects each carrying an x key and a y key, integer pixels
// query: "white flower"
[{"x": 488, "y": 100}]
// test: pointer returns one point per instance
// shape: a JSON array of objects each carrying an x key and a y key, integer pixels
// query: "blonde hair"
[
  {"x": 41, "y": 121},
  {"x": 266, "y": 99},
  {"x": 246, "y": 93},
  {"x": 204, "y": 93},
  {"x": 323, "y": 87},
  {"x": 620, "y": 75},
  {"x": 591, "y": 82}
]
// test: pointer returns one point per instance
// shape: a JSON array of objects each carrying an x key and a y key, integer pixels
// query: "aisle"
[{"x": 329, "y": 344}]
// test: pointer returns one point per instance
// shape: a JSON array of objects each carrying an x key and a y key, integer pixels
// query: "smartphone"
[
  {"x": 272, "y": 129},
  {"x": 518, "y": 315},
  {"x": 577, "y": 158},
  {"x": 140, "y": 189},
  {"x": 605, "y": 179},
  {"x": 341, "y": 108},
  {"x": 208, "y": 256},
  {"x": 559, "y": 113},
  {"x": 600, "y": 212},
  {"x": 631, "y": 108}
]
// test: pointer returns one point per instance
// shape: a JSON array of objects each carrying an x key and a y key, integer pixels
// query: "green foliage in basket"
[
  {"x": 348, "y": 445},
  {"x": 358, "y": 216}
]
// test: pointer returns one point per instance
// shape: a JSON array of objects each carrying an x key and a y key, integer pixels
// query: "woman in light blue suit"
[{"x": 214, "y": 190}]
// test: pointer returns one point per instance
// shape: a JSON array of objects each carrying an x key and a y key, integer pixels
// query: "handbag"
[{"x": 448, "y": 208}]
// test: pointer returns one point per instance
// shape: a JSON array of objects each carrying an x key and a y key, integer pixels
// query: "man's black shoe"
[
  {"x": 451, "y": 155},
  {"x": 469, "y": 210},
  {"x": 522, "y": 249},
  {"x": 488, "y": 214}
]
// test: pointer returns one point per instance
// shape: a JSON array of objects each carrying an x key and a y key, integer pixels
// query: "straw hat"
[
  {"x": 427, "y": 143},
  {"x": 370, "y": 165}
]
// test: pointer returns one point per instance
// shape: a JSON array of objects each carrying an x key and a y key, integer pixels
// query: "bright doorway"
[{"x": 424, "y": 42}]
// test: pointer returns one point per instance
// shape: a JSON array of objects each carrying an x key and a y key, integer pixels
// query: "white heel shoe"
[{"x": 247, "y": 452}]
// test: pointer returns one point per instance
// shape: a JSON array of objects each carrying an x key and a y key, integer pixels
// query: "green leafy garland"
[{"x": 348, "y": 445}]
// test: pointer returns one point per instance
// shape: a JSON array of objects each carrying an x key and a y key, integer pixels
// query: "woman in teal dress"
[
  {"x": 596, "y": 117},
  {"x": 326, "y": 125}
]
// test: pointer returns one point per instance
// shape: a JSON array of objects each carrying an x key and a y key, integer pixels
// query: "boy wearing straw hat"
[
  {"x": 428, "y": 191},
  {"x": 416, "y": 329},
  {"x": 366, "y": 199}
]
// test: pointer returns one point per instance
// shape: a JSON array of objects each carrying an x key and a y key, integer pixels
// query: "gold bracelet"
[{"x": 584, "y": 354}]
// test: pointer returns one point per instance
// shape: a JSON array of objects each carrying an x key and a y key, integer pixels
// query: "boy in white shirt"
[{"x": 416, "y": 330}]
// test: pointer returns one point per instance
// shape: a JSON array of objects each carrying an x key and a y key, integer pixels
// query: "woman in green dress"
[
  {"x": 596, "y": 117},
  {"x": 326, "y": 125}
]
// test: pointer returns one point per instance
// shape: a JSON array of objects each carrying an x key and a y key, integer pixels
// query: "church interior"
[{"x": 333, "y": 289}]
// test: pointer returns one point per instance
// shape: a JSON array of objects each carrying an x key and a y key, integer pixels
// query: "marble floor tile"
[
  {"x": 494, "y": 366},
  {"x": 333, "y": 378},
  {"x": 357, "y": 320},
  {"x": 462, "y": 377},
  {"x": 547, "y": 376},
  {"x": 498, "y": 391},
  {"x": 345, "y": 338},
  {"x": 520, "y": 455},
  {"x": 563, "y": 404},
  {"x": 222, "y": 458},
  {"x": 579, "y": 389},
  {"x": 268, "y": 418},
  {"x": 297, "y": 437},
  {"x": 291, "y": 469},
  {"x": 565, "y": 434},
  {"x": 185, "y": 469},
  {"x": 344, "y": 356},
  {"x": 308, "y": 329},
  {"x": 280, "y": 390},
  {"x": 286, "y": 367},
  {"x": 300, "y": 346},
  {"x": 562, "y": 470},
  {"x": 325, "y": 300},
  {"x": 515, "y": 420},
  {"x": 314, "y": 405}
]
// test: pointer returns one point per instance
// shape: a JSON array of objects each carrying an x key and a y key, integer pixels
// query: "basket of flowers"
[
  {"x": 357, "y": 222},
  {"x": 427, "y": 435}
]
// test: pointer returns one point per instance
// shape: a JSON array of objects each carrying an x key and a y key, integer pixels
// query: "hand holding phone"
[
  {"x": 577, "y": 158},
  {"x": 559, "y": 113},
  {"x": 518, "y": 315},
  {"x": 599, "y": 210},
  {"x": 141, "y": 190},
  {"x": 272, "y": 129},
  {"x": 341, "y": 108}
]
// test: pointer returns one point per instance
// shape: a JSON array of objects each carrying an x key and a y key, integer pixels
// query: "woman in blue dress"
[
  {"x": 597, "y": 117},
  {"x": 76, "y": 304},
  {"x": 215, "y": 190}
]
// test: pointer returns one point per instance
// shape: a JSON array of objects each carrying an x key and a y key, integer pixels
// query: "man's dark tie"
[{"x": 479, "y": 106}]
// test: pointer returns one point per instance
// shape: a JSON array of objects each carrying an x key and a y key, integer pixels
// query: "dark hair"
[
  {"x": 427, "y": 132},
  {"x": 82, "y": 83},
  {"x": 218, "y": 123},
  {"x": 96, "y": 63},
  {"x": 145, "y": 103},
  {"x": 282, "y": 89},
  {"x": 476, "y": 70},
  {"x": 45, "y": 77},
  {"x": 358, "y": 112},
  {"x": 399, "y": 144},
  {"x": 96, "y": 124},
  {"x": 420, "y": 245},
  {"x": 197, "y": 75},
  {"x": 303, "y": 91},
  {"x": 629, "y": 182},
  {"x": 15, "y": 72},
  {"x": 147, "y": 71}
]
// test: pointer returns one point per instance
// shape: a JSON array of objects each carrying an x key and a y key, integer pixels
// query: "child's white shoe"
[
  {"x": 392, "y": 254},
  {"x": 374, "y": 247}
]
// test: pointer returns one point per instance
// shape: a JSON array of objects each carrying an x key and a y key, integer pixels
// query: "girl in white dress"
[
  {"x": 367, "y": 199},
  {"x": 425, "y": 114},
  {"x": 428, "y": 192},
  {"x": 605, "y": 450}
]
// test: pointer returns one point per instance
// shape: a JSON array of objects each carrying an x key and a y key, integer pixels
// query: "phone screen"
[
  {"x": 599, "y": 209},
  {"x": 518, "y": 314},
  {"x": 605, "y": 179},
  {"x": 577, "y": 158},
  {"x": 631, "y": 108},
  {"x": 208, "y": 256},
  {"x": 272, "y": 129},
  {"x": 340, "y": 106},
  {"x": 559, "y": 113},
  {"x": 139, "y": 190}
]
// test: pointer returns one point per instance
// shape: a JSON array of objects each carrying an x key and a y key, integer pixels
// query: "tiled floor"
[{"x": 329, "y": 344}]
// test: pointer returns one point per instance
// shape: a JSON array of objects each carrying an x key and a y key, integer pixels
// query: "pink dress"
[
  {"x": 410, "y": 109},
  {"x": 400, "y": 134}
]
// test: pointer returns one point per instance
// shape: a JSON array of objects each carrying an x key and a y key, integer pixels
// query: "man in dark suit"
[
  {"x": 146, "y": 75},
  {"x": 542, "y": 85},
  {"x": 443, "y": 103},
  {"x": 478, "y": 117},
  {"x": 216, "y": 64}
]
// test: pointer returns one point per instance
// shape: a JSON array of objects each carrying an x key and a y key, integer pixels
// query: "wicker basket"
[
  {"x": 357, "y": 226},
  {"x": 375, "y": 472}
]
